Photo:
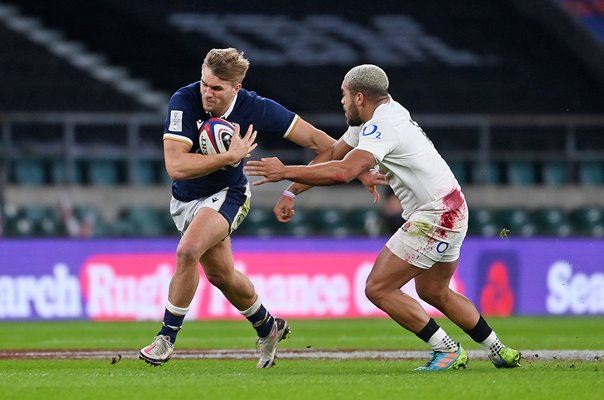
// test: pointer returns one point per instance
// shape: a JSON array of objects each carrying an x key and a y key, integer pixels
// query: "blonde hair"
[
  {"x": 227, "y": 64},
  {"x": 368, "y": 79}
]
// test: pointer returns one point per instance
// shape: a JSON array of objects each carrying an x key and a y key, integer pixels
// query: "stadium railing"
[
  {"x": 114, "y": 148},
  {"x": 80, "y": 150}
]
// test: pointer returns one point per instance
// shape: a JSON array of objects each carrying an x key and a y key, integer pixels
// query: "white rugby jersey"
[{"x": 417, "y": 173}]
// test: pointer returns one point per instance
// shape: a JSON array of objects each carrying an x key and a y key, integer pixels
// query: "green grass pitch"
[{"x": 306, "y": 379}]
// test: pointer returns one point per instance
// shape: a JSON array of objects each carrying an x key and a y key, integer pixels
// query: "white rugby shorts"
[
  {"x": 232, "y": 203},
  {"x": 423, "y": 241}
]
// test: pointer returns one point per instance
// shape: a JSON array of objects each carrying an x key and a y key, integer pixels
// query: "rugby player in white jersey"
[
  {"x": 211, "y": 196},
  {"x": 427, "y": 247}
]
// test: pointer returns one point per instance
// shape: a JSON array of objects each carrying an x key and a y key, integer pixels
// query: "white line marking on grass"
[{"x": 241, "y": 354}]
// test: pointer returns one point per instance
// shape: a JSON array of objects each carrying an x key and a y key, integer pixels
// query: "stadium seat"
[
  {"x": 103, "y": 172},
  {"x": 588, "y": 220},
  {"x": 58, "y": 174},
  {"x": 167, "y": 223},
  {"x": 11, "y": 227},
  {"x": 29, "y": 171},
  {"x": 329, "y": 222},
  {"x": 517, "y": 222},
  {"x": 481, "y": 222},
  {"x": 555, "y": 173},
  {"x": 489, "y": 175},
  {"x": 90, "y": 222},
  {"x": 146, "y": 172},
  {"x": 365, "y": 222},
  {"x": 299, "y": 226},
  {"x": 139, "y": 221},
  {"x": 521, "y": 173},
  {"x": 552, "y": 221},
  {"x": 261, "y": 222},
  {"x": 17, "y": 227},
  {"x": 164, "y": 178},
  {"x": 590, "y": 173},
  {"x": 459, "y": 170},
  {"x": 38, "y": 221}
]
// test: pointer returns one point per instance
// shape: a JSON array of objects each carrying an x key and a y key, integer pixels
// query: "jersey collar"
[
  {"x": 383, "y": 105},
  {"x": 230, "y": 109}
]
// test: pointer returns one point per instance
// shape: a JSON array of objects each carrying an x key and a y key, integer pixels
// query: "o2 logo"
[{"x": 370, "y": 130}]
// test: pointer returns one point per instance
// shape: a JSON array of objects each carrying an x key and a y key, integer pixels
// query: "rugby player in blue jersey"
[{"x": 210, "y": 197}]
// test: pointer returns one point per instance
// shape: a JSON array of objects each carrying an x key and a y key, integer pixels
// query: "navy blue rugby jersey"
[{"x": 185, "y": 117}]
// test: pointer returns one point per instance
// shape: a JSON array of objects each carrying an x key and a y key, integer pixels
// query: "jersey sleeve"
[
  {"x": 351, "y": 136},
  {"x": 180, "y": 121},
  {"x": 378, "y": 138},
  {"x": 275, "y": 118}
]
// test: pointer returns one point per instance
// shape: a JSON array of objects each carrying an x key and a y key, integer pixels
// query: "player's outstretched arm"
[
  {"x": 306, "y": 135},
  {"x": 284, "y": 209},
  {"x": 325, "y": 174}
]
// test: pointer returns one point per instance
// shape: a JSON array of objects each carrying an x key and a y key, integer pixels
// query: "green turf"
[
  {"x": 297, "y": 379},
  {"x": 522, "y": 332}
]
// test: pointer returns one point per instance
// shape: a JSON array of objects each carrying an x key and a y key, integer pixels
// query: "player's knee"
[
  {"x": 187, "y": 254},
  {"x": 373, "y": 293}
]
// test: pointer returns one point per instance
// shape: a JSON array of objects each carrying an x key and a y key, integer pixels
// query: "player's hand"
[
  {"x": 241, "y": 147},
  {"x": 371, "y": 179},
  {"x": 284, "y": 209},
  {"x": 272, "y": 169}
]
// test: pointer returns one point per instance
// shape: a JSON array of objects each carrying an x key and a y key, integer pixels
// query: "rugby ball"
[{"x": 215, "y": 136}]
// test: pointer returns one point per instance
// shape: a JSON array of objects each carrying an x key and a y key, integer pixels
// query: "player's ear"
[{"x": 359, "y": 98}]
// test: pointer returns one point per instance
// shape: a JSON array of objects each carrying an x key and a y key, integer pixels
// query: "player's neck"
[{"x": 371, "y": 107}]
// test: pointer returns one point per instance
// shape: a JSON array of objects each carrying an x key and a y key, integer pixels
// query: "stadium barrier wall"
[{"x": 58, "y": 279}]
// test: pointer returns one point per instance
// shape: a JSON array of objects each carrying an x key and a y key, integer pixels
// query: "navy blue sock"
[
  {"x": 481, "y": 331},
  {"x": 427, "y": 331},
  {"x": 171, "y": 325},
  {"x": 262, "y": 321}
]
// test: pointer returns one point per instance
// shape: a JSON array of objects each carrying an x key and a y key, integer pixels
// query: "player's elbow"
[{"x": 175, "y": 173}]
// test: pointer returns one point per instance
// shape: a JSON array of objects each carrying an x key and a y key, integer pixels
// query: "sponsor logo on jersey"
[
  {"x": 371, "y": 130},
  {"x": 175, "y": 121}
]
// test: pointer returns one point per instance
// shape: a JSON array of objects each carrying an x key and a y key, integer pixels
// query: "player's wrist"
[
  {"x": 288, "y": 193},
  {"x": 231, "y": 158}
]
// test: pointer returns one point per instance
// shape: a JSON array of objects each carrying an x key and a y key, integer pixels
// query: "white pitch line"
[{"x": 310, "y": 354}]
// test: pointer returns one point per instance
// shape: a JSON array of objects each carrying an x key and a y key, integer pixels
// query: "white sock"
[
  {"x": 492, "y": 344},
  {"x": 253, "y": 308},
  {"x": 440, "y": 341},
  {"x": 176, "y": 310}
]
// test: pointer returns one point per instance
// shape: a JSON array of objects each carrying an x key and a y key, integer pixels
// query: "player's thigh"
[
  {"x": 207, "y": 228},
  {"x": 390, "y": 272}
]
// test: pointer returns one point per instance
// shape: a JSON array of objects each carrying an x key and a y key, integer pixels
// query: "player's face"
[
  {"x": 216, "y": 94},
  {"x": 350, "y": 109}
]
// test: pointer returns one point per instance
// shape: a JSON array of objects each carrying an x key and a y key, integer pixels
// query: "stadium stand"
[
  {"x": 34, "y": 79},
  {"x": 555, "y": 173},
  {"x": 86, "y": 221},
  {"x": 508, "y": 101},
  {"x": 450, "y": 45}
]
